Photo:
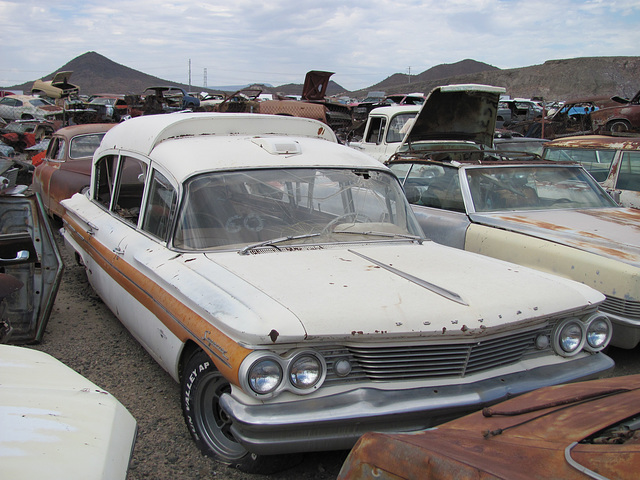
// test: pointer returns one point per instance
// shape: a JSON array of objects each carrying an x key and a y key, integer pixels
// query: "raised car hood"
[
  {"x": 323, "y": 287},
  {"x": 54, "y": 423},
  {"x": 610, "y": 232},
  {"x": 457, "y": 112}
]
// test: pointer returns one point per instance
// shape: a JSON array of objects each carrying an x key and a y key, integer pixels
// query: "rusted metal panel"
[
  {"x": 29, "y": 253},
  {"x": 528, "y": 437}
]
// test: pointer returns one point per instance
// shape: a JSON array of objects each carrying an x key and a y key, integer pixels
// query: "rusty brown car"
[
  {"x": 575, "y": 431},
  {"x": 621, "y": 116},
  {"x": 66, "y": 167}
]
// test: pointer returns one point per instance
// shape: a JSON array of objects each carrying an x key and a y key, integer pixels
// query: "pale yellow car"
[{"x": 551, "y": 216}]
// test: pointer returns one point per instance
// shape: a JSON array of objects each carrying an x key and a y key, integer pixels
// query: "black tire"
[{"x": 202, "y": 386}]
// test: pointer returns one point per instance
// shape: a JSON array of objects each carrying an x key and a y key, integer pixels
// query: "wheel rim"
[
  {"x": 212, "y": 422},
  {"x": 619, "y": 127}
]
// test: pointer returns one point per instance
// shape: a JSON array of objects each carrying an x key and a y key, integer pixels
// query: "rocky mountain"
[{"x": 553, "y": 80}]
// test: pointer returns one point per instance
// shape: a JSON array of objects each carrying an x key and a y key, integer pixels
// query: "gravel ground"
[{"x": 86, "y": 336}]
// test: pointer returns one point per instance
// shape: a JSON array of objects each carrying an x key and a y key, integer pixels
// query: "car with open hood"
[
  {"x": 470, "y": 107},
  {"x": 282, "y": 279},
  {"x": 552, "y": 216},
  {"x": 57, "y": 87}
]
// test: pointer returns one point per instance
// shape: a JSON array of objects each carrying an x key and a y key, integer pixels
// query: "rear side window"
[
  {"x": 161, "y": 205},
  {"x": 128, "y": 200},
  {"x": 85, "y": 145},
  {"x": 105, "y": 180}
]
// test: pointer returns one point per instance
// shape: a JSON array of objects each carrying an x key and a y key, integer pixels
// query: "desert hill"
[{"x": 553, "y": 80}]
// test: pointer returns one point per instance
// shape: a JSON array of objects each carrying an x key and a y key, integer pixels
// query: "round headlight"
[
  {"x": 305, "y": 371},
  {"x": 598, "y": 333},
  {"x": 569, "y": 337},
  {"x": 265, "y": 376}
]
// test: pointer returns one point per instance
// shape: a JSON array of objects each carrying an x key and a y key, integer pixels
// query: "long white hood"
[{"x": 335, "y": 292}]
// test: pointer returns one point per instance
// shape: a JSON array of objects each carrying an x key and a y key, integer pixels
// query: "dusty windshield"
[
  {"x": 534, "y": 188},
  {"x": 234, "y": 209}
]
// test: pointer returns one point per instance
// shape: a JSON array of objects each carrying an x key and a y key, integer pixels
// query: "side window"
[
  {"x": 104, "y": 178},
  {"x": 629, "y": 172},
  {"x": 128, "y": 200},
  {"x": 376, "y": 130},
  {"x": 161, "y": 205}
]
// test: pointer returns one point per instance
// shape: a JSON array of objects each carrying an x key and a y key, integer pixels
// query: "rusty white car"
[
  {"x": 551, "y": 216},
  {"x": 54, "y": 423},
  {"x": 283, "y": 280}
]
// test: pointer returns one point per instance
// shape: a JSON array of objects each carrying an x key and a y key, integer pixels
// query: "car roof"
[
  {"x": 597, "y": 142},
  {"x": 231, "y": 141},
  {"x": 73, "y": 130},
  {"x": 394, "y": 109}
]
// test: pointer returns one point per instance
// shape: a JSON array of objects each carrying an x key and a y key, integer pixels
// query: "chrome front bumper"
[{"x": 336, "y": 422}]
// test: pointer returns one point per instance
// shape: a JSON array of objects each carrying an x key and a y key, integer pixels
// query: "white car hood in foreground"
[
  {"x": 56, "y": 424},
  {"x": 324, "y": 288},
  {"x": 610, "y": 232}
]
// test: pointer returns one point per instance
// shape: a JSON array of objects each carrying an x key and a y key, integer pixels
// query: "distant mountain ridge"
[{"x": 554, "y": 80}]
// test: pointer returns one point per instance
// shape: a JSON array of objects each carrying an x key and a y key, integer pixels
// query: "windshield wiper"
[
  {"x": 384, "y": 234},
  {"x": 272, "y": 242}
]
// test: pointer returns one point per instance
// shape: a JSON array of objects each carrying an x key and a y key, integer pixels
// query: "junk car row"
[{"x": 303, "y": 293}]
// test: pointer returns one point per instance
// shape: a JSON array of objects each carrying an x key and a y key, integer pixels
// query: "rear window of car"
[
  {"x": 85, "y": 145},
  {"x": 596, "y": 161}
]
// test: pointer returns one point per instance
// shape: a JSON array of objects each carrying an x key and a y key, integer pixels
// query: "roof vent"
[{"x": 278, "y": 145}]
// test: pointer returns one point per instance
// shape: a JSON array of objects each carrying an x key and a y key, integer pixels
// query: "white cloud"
[{"x": 279, "y": 41}]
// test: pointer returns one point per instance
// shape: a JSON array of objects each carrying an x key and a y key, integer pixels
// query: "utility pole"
[
  {"x": 409, "y": 73},
  {"x": 189, "y": 74},
  {"x": 205, "y": 78}
]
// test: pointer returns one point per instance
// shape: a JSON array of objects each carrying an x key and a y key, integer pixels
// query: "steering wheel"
[{"x": 356, "y": 217}]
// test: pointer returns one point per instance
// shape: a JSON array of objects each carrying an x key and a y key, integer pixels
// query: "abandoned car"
[
  {"x": 570, "y": 432},
  {"x": 614, "y": 161},
  {"x": 58, "y": 424},
  {"x": 167, "y": 99},
  {"x": 621, "y": 115},
  {"x": 66, "y": 166},
  {"x": 283, "y": 280},
  {"x": 552, "y": 216},
  {"x": 455, "y": 117},
  {"x": 385, "y": 129},
  {"x": 57, "y": 87},
  {"x": 27, "y": 107}
]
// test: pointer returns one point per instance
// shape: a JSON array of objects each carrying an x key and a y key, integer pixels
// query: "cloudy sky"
[{"x": 278, "y": 41}]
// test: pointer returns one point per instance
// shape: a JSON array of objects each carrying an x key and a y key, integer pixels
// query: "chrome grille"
[
  {"x": 621, "y": 307},
  {"x": 428, "y": 361}
]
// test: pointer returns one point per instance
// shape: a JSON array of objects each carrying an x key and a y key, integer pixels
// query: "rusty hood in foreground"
[{"x": 581, "y": 430}]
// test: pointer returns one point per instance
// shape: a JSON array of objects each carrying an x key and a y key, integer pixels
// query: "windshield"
[
  {"x": 223, "y": 209},
  {"x": 534, "y": 188}
]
